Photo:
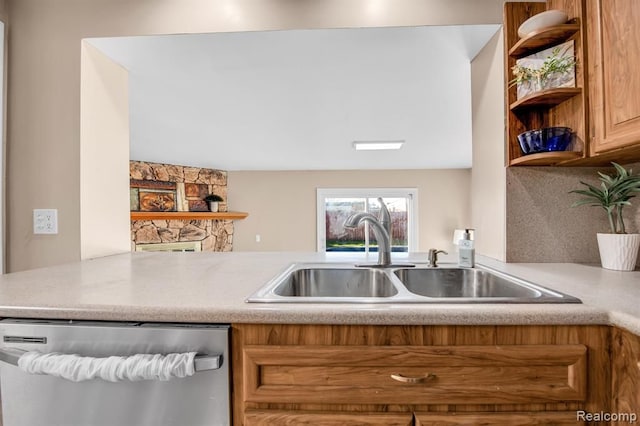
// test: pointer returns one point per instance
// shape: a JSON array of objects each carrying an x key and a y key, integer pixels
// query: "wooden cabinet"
[
  {"x": 323, "y": 418},
  {"x": 479, "y": 374},
  {"x": 625, "y": 377},
  {"x": 604, "y": 108},
  {"x": 613, "y": 40},
  {"x": 348, "y": 374},
  {"x": 497, "y": 419},
  {"x": 553, "y": 107}
]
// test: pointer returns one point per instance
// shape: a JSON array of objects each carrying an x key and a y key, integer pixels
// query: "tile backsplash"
[{"x": 541, "y": 224}]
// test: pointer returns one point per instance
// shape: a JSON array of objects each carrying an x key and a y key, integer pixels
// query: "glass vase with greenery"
[{"x": 554, "y": 65}]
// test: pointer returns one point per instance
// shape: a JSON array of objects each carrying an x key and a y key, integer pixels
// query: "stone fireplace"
[{"x": 166, "y": 188}]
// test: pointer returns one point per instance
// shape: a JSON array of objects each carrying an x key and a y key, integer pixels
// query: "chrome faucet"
[
  {"x": 381, "y": 229},
  {"x": 385, "y": 217}
]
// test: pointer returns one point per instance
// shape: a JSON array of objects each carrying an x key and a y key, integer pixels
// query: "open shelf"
[
  {"x": 188, "y": 215},
  {"x": 549, "y": 97},
  {"x": 546, "y": 158},
  {"x": 562, "y": 106},
  {"x": 546, "y": 37}
]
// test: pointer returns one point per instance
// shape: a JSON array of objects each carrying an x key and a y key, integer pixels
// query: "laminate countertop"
[{"x": 207, "y": 287}]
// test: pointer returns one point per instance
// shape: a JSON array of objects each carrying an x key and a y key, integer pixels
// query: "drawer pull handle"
[{"x": 413, "y": 380}]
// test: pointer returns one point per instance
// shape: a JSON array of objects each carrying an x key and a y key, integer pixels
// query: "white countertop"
[{"x": 212, "y": 287}]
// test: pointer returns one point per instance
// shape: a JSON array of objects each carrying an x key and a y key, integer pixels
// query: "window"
[{"x": 334, "y": 206}]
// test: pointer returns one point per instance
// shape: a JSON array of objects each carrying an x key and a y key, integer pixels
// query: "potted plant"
[
  {"x": 618, "y": 249},
  {"x": 213, "y": 200}
]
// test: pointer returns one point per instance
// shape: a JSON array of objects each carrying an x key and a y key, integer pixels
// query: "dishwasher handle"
[{"x": 200, "y": 362}]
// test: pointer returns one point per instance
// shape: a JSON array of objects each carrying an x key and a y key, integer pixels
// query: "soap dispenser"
[{"x": 466, "y": 252}]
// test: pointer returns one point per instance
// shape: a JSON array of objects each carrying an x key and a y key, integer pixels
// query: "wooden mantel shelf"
[{"x": 188, "y": 215}]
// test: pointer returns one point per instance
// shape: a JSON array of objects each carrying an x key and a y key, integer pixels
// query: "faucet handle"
[{"x": 433, "y": 257}]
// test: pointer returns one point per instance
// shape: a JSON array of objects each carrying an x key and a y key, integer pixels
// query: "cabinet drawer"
[
  {"x": 323, "y": 418},
  {"x": 423, "y": 375},
  {"x": 562, "y": 418}
]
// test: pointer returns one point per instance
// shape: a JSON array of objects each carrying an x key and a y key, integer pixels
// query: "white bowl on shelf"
[{"x": 548, "y": 18}]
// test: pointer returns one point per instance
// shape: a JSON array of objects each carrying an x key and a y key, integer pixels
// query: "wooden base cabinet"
[
  {"x": 426, "y": 375},
  {"x": 625, "y": 378},
  {"x": 323, "y": 418},
  {"x": 498, "y": 419}
]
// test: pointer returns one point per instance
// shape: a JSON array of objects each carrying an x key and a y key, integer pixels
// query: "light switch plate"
[{"x": 45, "y": 221}]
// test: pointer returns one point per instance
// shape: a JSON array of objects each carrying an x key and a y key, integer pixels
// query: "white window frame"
[{"x": 412, "y": 209}]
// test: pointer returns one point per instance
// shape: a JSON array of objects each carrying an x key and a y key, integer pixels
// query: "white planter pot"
[
  {"x": 619, "y": 251},
  {"x": 213, "y": 206}
]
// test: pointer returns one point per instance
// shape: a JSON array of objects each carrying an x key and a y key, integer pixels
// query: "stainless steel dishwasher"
[{"x": 37, "y": 400}]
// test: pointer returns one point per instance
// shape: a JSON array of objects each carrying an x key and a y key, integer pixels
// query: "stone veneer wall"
[{"x": 215, "y": 235}]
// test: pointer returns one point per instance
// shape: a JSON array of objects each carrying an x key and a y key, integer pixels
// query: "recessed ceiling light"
[{"x": 377, "y": 145}]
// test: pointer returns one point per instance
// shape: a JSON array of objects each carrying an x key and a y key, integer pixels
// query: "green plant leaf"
[
  {"x": 621, "y": 170},
  {"x": 584, "y": 202},
  {"x": 613, "y": 193}
]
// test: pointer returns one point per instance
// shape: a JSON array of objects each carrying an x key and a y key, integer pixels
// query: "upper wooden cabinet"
[
  {"x": 604, "y": 108},
  {"x": 613, "y": 40},
  {"x": 554, "y": 107}
]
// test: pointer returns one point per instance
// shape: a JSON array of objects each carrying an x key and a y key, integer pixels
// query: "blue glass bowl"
[
  {"x": 556, "y": 138},
  {"x": 530, "y": 140},
  {"x": 545, "y": 140}
]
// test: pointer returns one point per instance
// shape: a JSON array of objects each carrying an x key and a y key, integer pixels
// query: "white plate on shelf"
[{"x": 548, "y": 18}]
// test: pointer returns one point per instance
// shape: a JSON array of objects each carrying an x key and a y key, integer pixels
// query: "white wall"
[
  {"x": 104, "y": 171},
  {"x": 488, "y": 174}
]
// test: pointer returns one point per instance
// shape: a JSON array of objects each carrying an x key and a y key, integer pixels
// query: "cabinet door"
[
  {"x": 282, "y": 418},
  {"x": 499, "y": 419},
  {"x": 613, "y": 40},
  {"x": 625, "y": 378}
]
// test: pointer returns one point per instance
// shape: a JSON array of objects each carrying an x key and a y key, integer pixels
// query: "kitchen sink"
[
  {"x": 454, "y": 283},
  {"x": 347, "y": 283},
  {"x": 334, "y": 282}
]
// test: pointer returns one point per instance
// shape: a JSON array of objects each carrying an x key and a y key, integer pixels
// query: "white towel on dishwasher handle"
[{"x": 113, "y": 369}]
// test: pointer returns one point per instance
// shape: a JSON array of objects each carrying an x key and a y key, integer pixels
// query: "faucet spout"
[
  {"x": 382, "y": 236},
  {"x": 385, "y": 216},
  {"x": 355, "y": 219}
]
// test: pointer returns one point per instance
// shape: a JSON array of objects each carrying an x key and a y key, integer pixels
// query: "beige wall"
[
  {"x": 4, "y": 17},
  {"x": 43, "y": 141},
  {"x": 282, "y": 205},
  {"x": 488, "y": 178},
  {"x": 104, "y": 130}
]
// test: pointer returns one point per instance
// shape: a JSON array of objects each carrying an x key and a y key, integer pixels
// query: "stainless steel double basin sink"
[{"x": 346, "y": 283}]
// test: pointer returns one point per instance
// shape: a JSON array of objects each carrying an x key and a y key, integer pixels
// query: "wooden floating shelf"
[
  {"x": 188, "y": 215},
  {"x": 549, "y": 97},
  {"x": 545, "y": 37},
  {"x": 546, "y": 158}
]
